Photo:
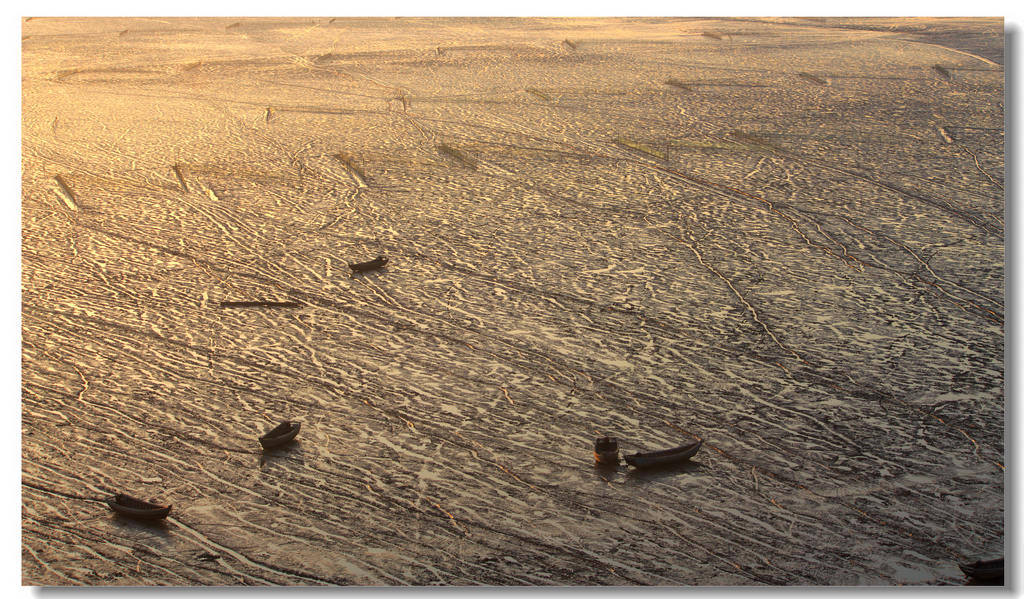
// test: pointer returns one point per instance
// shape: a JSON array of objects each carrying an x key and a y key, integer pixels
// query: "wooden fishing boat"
[
  {"x": 131, "y": 507},
  {"x": 606, "y": 451},
  {"x": 664, "y": 457},
  {"x": 280, "y": 434},
  {"x": 984, "y": 571},
  {"x": 378, "y": 262}
]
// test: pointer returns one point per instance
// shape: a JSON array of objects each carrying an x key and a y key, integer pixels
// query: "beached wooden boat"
[
  {"x": 664, "y": 457},
  {"x": 984, "y": 571},
  {"x": 137, "y": 508},
  {"x": 606, "y": 451},
  {"x": 280, "y": 434},
  {"x": 378, "y": 262}
]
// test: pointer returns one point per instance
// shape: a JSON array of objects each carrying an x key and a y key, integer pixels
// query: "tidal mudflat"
[{"x": 783, "y": 237}]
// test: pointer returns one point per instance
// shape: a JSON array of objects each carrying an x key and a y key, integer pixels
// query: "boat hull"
[
  {"x": 367, "y": 266},
  {"x": 156, "y": 512},
  {"x": 274, "y": 439},
  {"x": 984, "y": 571},
  {"x": 663, "y": 458}
]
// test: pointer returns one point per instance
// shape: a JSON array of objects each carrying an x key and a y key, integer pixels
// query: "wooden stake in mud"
[{"x": 181, "y": 178}]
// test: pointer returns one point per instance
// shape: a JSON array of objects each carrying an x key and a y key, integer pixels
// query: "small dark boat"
[
  {"x": 281, "y": 434},
  {"x": 984, "y": 571},
  {"x": 131, "y": 507},
  {"x": 606, "y": 451},
  {"x": 664, "y": 457},
  {"x": 378, "y": 262}
]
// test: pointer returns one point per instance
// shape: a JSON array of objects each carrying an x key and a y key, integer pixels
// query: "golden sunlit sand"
[{"x": 781, "y": 237}]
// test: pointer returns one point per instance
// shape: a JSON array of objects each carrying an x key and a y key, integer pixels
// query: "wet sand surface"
[{"x": 781, "y": 236}]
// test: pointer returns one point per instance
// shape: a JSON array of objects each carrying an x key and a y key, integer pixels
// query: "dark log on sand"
[{"x": 260, "y": 304}]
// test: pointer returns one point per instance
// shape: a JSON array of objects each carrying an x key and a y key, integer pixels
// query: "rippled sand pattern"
[{"x": 784, "y": 237}]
